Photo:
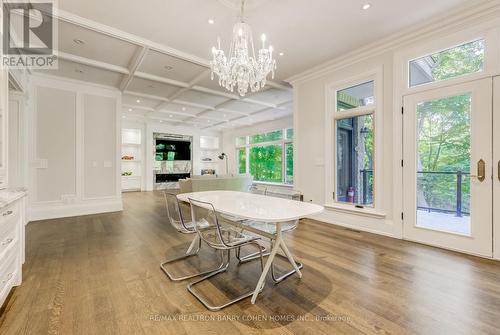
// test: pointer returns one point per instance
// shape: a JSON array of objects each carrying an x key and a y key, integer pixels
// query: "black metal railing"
[
  {"x": 366, "y": 186},
  {"x": 367, "y": 190},
  {"x": 459, "y": 211}
]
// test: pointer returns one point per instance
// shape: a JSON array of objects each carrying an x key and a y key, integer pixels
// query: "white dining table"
[{"x": 261, "y": 208}]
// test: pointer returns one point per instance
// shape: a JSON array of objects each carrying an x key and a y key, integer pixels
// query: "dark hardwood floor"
[{"x": 100, "y": 274}]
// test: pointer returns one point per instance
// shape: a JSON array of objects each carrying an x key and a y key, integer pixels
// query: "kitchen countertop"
[{"x": 9, "y": 195}]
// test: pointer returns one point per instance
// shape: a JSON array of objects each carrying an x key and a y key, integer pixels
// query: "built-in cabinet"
[
  {"x": 132, "y": 161},
  {"x": 209, "y": 152},
  {"x": 12, "y": 245},
  {"x": 12, "y": 208}
]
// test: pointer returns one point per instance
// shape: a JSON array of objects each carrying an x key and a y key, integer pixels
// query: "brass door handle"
[{"x": 481, "y": 170}]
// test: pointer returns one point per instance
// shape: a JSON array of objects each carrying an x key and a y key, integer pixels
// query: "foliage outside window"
[
  {"x": 268, "y": 157},
  {"x": 354, "y": 144},
  {"x": 454, "y": 62}
]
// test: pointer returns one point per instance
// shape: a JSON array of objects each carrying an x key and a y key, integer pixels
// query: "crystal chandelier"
[{"x": 241, "y": 68}]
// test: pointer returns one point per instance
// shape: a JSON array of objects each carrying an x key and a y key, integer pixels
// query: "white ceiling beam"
[
  {"x": 146, "y": 96},
  {"x": 182, "y": 90},
  {"x": 134, "y": 65},
  {"x": 159, "y": 79},
  {"x": 192, "y": 104},
  {"x": 93, "y": 63},
  {"x": 149, "y": 109},
  {"x": 215, "y": 92}
]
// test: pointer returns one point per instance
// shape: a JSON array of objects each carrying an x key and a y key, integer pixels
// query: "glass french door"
[{"x": 447, "y": 167}]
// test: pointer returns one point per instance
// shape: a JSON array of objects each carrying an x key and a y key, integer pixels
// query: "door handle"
[
  {"x": 498, "y": 170},
  {"x": 481, "y": 170}
]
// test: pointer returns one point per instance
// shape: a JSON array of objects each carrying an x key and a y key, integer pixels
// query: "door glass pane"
[
  {"x": 356, "y": 96},
  {"x": 289, "y": 163},
  {"x": 266, "y": 163},
  {"x": 242, "y": 161},
  {"x": 289, "y": 133},
  {"x": 464, "y": 59},
  {"x": 443, "y": 164},
  {"x": 355, "y": 160}
]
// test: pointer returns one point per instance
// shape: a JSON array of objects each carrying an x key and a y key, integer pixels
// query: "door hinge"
[
  {"x": 333, "y": 195},
  {"x": 402, "y": 163},
  {"x": 402, "y": 110},
  {"x": 402, "y": 216}
]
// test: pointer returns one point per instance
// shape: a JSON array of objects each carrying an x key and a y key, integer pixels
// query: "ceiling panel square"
[
  {"x": 133, "y": 100},
  {"x": 166, "y": 66},
  {"x": 96, "y": 46},
  {"x": 273, "y": 96},
  {"x": 242, "y": 107},
  {"x": 151, "y": 87},
  {"x": 201, "y": 98},
  {"x": 173, "y": 107},
  {"x": 85, "y": 73}
]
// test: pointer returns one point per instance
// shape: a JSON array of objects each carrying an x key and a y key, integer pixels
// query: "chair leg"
[
  {"x": 205, "y": 303},
  {"x": 163, "y": 266},
  {"x": 252, "y": 256}
]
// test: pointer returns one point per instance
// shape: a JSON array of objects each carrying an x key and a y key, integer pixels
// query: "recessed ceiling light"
[
  {"x": 170, "y": 115},
  {"x": 130, "y": 109},
  {"x": 168, "y": 67},
  {"x": 78, "y": 41},
  {"x": 366, "y": 6},
  {"x": 183, "y": 109},
  {"x": 138, "y": 101},
  {"x": 211, "y": 21},
  {"x": 282, "y": 53},
  {"x": 161, "y": 121},
  {"x": 208, "y": 121}
]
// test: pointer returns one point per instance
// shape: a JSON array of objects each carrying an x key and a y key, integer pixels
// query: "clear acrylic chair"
[
  {"x": 222, "y": 238},
  {"x": 176, "y": 218},
  {"x": 271, "y": 229}
]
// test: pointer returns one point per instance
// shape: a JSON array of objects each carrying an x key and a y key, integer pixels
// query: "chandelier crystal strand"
[{"x": 242, "y": 69}]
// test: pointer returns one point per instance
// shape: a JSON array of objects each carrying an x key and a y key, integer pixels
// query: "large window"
[
  {"x": 354, "y": 144},
  {"x": 268, "y": 157}
]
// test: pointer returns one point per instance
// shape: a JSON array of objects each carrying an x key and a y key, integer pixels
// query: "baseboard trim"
[
  {"x": 385, "y": 226},
  {"x": 55, "y": 211}
]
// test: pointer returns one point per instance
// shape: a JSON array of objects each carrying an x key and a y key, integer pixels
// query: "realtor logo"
[{"x": 29, "y": 38}]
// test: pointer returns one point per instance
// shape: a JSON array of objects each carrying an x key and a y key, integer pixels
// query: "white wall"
[
  {"x": 229, "y": 136},
  {"x": 74, "y": 148}
]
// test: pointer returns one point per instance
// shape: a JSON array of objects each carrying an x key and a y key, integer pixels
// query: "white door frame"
[
  {"x": 481, "y": 239},
  {"x": 496, "y": 167}
]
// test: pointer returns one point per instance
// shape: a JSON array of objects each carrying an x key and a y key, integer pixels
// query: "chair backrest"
[
  {"x": 206, "y": 223},
  {"x": 174, "y": 213},
  {"x": 256, "y": 189},
  {"x": 283, "y": 193}
]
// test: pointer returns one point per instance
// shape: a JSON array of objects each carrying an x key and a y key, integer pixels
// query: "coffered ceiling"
[{"x": 157, "y": 51}]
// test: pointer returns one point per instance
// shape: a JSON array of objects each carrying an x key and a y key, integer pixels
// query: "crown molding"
[{"x": 476, "y": 11}]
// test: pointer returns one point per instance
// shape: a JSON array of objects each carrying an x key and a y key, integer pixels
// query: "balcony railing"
[
  {"x": 458, "y": 211},
  {"x": 367, "y": 196}
]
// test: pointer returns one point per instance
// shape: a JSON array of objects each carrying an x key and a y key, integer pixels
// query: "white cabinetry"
[
  {"x": 12, "y": 221},
  {"x": 131, "y": 160}
]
